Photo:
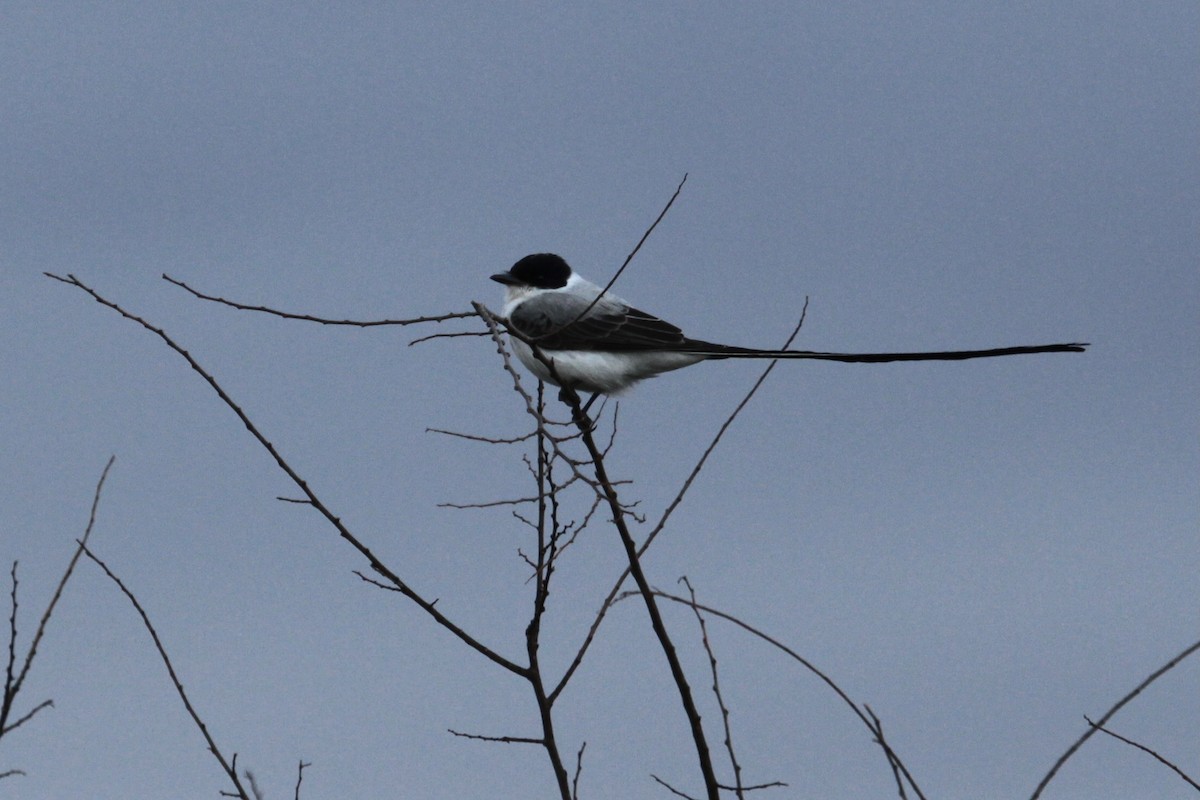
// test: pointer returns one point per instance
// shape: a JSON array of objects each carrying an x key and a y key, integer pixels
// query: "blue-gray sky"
[{"x": 983, "y": 551}]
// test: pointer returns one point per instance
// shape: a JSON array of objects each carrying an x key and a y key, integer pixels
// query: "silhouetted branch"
[
  {"x": 628, "y": 259},
  {"x": 687, "y": 484},
  {"x": 456, "y": 335},
  {"x": 877, "y": 727},
  {"x": 864, "y": 716},
  {"x": 11, "y": 686},
  {"x": 578, "y": 771},
  {"x": 519, "y": 501},
  {"x": 571, "y": 398},
  {"x": 500, "y": 739},
  {"x": 1145, "y": 749},
  {"x": 300, "y": 777},
  {"x": 671, "y": 788},
  {"x": 376, "y": 565},
  {"x": 381, "y": 585},
  {"x": 542, "y": 425},
  {"x": 229, "y": 767},
  {"x": 258, "y": 795},
  {"x": 543, "y": 569},
  {"x": 1094, "y": 726},
  {"x": 756, "y": 787},
  {"x": 716, "y": 687},
  {"x": 14, "y": 679},
  {"x": 485, "y": 439},
  {"x": 28, "y": 716},
  {"x": 309, "y": 317}
]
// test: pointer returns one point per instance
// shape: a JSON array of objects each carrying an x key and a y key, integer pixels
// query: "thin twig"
[
  {"x": 486, "y": 439},
  {"x": 380, "y": 584},
  {"x": 10, "y": 684},
  {"x": 716, "y": 685},
  {"x": 230, "y": 768},
  {"x": 500, "y": 739},
  {"x": 456, "y": 335},
  {"x": 258, "y": 795},
  {"x": 544, "y": 568},
  {"x": 28, "y": 716},
  {"x": 309, "y": 317},
  {"x": 13, "y": 683},
  {"x": 1093, "y": 727},
  {"x": 578, "y": 771},
  {"x": 755, "y": 787},
  {"x": 628, "y": 259},
  {"x": 495, "y": 326},
  {"x": 519, "y": 501},
  {"x": 893, "y": 758},
  {"x": 882, "y": 742},
  {"x": 671, "y": 788},
  {"x": 300, "y": 777},
  {"x": 1144, "y": 749}
]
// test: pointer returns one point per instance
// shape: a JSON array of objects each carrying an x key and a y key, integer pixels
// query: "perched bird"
[{"x": 599, "y": 343}]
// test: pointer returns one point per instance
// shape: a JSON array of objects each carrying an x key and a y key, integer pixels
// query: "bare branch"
[
  {"x": 62, "y": 583},
  {"x": 571, "y": 532},
  {"x": 28, "y": 716},
  {"x": 519, "y": 501},
  {"x": 300, "y": 776},
  {"x": 893, "y": 758},
  {"x": 310, "y": 318},
  {"x": 887, "y": 751},
  {"x": 716, "y": 686},
  {"x": 708, "y": 451},
  {"x": 628, "y": 258},
  {"x": 495, "y": 324},
  {"x": 671, "y": 788},
  {"x": 595, "y": 627},
  {"x": 258, "y": 795},
  {"x": 1145, "y": 749},
  {"x": 230, "y": 768},
  {"x": 344, "y": 532},
  {"x": 486, "y": 439},
  {"x": 571, "y": 398},
  {"x": 10, "y": 683},
  {"x": 1094, "y": 726},
  {"x": 14, "y": 682},
  {"x": 578, "y": 771},
  {"x": 543, "y": 568},
  {"x": 455, "y": 335},
  {"x": 757, "y": 786},
  {"x": 500, "y": 739},
  {"x": 373, "y": 582}
]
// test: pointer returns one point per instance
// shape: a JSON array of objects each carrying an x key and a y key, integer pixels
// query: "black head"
[{"x": 540, "y": 270}]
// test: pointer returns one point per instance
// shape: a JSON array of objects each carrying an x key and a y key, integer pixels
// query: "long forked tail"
[{"x": 722, "y": 351}]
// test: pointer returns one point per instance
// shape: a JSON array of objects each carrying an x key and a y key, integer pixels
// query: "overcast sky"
[{"x": 982, "y": 551}]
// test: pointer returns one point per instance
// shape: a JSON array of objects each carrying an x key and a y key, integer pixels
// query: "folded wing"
[{"x": 552, "y": 320}]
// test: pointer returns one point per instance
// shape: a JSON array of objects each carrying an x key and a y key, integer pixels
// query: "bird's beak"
[{"x": 507, "y": 278}]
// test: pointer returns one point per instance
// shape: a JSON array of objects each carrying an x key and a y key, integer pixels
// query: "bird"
[{"x": 601, "y": 344}]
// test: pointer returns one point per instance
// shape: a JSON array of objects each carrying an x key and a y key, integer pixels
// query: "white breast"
[{"x": 607, "y": 373}]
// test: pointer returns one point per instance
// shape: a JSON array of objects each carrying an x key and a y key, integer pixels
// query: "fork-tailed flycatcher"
[{"x": 599, "y": 343}]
